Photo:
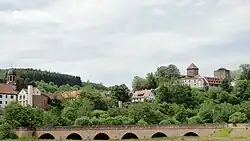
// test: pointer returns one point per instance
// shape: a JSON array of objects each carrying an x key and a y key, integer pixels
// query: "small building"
[
  {"x": 141, "y": 96},
  {"x": 32, "y": 96},
  {"x": 8, "y": 91}
]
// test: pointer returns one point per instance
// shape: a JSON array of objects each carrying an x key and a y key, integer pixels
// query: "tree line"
[
  {"x": 175, "y": 103},
  {"x": 26, "y": 76}
]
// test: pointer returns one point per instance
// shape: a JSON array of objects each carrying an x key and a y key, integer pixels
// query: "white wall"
[
  {"x": 194, "y": 82},
  {"x": 25, "y": 97},
  {"x": 5, "y": 99}
]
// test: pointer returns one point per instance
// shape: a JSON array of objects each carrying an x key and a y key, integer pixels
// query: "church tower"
[{"x": 11, "y": 76}]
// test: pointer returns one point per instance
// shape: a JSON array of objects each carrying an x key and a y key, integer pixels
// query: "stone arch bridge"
[{"x": 120, "y": 132}]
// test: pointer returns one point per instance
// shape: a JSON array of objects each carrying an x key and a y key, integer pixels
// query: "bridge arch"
[
  {"x": 191, "y": 134},
  {"x": 47, "y": 136},
  {"x": 74, "y": 136},
  {"x": 129, "y": 136},
  {"x": 101, "y": 136},
  {"x": 159, "y": 135}
]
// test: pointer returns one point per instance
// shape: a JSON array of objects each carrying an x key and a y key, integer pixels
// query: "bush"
[
  {"x": 194, "y": 120},
  {"x": 238, "y": 117},
  {"x": 142, "y": 122},
  {"x": 83, "y": 121},
  {"x": 169, "y": 121},
  {"x": 6, "y": 132}
]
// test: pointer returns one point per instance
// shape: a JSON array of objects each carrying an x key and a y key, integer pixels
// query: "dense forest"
[
  {"x": 27, "y": 75},
  {"x": 175, "y": 103}
]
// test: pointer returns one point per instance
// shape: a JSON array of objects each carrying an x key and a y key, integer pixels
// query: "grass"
[{"x": 223, "y": 132}]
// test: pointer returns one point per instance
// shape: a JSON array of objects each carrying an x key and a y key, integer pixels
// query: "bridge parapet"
[{"x": 134, "y": 127}]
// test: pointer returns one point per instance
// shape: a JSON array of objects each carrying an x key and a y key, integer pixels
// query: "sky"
[{"x": 111, "y": 41}]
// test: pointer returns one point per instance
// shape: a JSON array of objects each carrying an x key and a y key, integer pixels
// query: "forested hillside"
[{"x": 27, "y": 75}]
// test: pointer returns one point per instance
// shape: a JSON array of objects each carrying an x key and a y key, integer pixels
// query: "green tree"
[
  {"x": 82, "y": 121},
  {"x": 238, "y": 117},
  {"x": 166, "y": 73},
  {"x": 142, "y": 122},
  {"x": 19, "y": 116},
  {"x": 69, "y": 113},
  {"x": 120, "y": 92},
  {"x": 152, "y": 82},
  {"x": 146, "y": 111},
  {"x": 195, "y": 120},
  {"x": 245, "y": 72},
  {"x": 226, "y": 86},
  {"x": 139, "y": 83},
  {"x": 6, "y": 132}
]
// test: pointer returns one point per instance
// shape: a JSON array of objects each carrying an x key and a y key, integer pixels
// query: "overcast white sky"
[{"x": 110, "y": 41}]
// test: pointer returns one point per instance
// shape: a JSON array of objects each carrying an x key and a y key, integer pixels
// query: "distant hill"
[{"x": 26, "y": 75}]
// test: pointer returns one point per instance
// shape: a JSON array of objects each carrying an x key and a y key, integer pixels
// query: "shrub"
[
  {"x": 6, "y": 132},
  {"x": 142, "y": 122},
  {"x": 82, "y": 121}
]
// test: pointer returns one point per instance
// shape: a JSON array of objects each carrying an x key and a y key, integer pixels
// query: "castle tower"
[
  {"x": 222, "y": 73},
  {"x": 192, "y": 70},
  {"x": 11, "y": 76}
]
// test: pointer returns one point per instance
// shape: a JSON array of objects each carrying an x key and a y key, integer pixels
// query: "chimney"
[{"x": 30, "y": 95}]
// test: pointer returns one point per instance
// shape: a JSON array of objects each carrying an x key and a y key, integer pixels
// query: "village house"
[
  {"x": 195, "y": 80},
  {"x": 141, "y": 96},
  {"x": 8, "y": 91},
  {"x": 32, "y": 96}
]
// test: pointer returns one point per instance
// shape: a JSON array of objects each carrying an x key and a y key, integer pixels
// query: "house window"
[
  {"x": 12, "y": 97},
  {"x": 6, "y": 102},
  {"x": 20, "y": 97},
  {"x": 1, "y": 102},
  {"x": 6, "y": 96},
  {"x": 1, "y": 96},
  {"x": 23, "y": 96}
]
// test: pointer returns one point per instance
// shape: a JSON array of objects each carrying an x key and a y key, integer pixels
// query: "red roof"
[
  {"x": 142, "y": 94},
  {"x": 192, "y": 66},
  {"x": 213, "y": 80},
  {"x": 7, "y": 89}
]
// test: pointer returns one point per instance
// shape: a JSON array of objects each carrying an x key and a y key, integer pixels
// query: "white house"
[
  {"x": 25, "y": 96},
  {"x": 194, "y": 82},
  {"x": 8, "y": 91},
  {"x": 7, "y": 94},
  {"x": 141, "y": 96}
]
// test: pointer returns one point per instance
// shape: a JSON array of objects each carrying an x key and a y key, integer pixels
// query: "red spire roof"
[{"x": 192, "y": 66}]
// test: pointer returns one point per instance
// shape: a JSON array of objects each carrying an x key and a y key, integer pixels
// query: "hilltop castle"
[{"x": 195, "y": 80}]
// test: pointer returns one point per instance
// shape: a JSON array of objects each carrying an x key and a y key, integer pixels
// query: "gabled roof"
[
  {"x": 192, "y": 66},
  {"x": 142, "y": 94},
  {"x": 7, "y": 89}
]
